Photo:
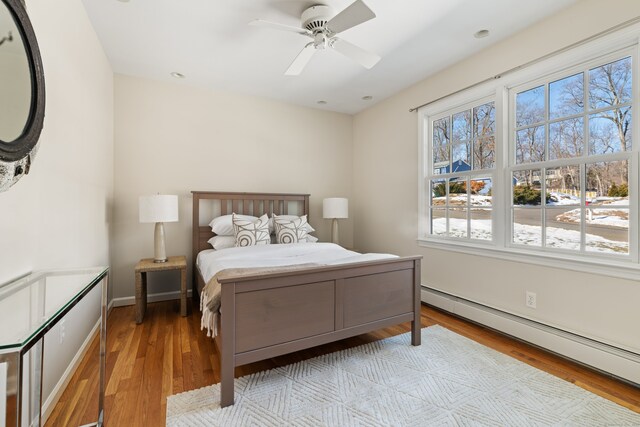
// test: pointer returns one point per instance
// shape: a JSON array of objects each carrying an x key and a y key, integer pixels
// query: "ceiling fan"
[{"x": 319, "y": 23}]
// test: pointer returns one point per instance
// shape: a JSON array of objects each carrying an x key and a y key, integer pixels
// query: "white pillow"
[
  {"x": 222, "y": 242},
  {"x": 311, "y": 239},
  {"x": 223, "y": 225},
  {"x": 308, "y": 228},
  {"x": 290, "y": 230},
  {"x": 251, "y": 233}
]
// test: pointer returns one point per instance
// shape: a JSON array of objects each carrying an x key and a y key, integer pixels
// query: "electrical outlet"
[
  {"x": 63, "y": 330},
  {"x": 531, "y": 299}
]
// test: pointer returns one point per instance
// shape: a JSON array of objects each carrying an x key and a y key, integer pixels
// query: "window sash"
[
  {"x": 580, "y": 161},
  {"x": 434, "y": 174}
]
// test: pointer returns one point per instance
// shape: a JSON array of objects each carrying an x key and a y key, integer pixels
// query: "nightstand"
[{"x": 147, "y": 265}]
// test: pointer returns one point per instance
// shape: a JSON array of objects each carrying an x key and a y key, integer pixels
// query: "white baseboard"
[
  {"x": 56, "y": 393},
  {"x": 163, "y": 296},
  {"x": 618, "y": 362}
]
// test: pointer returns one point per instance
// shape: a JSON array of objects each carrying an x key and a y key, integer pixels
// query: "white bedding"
[{"x": 210, "y": 261}]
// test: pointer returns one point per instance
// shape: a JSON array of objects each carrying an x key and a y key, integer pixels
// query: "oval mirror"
[{"x": 21, "y": 93}]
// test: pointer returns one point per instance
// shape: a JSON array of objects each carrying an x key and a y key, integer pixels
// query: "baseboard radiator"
[{"x": 614, "y": 361}]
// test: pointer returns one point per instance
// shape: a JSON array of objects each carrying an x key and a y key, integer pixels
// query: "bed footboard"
[{"x": 268, "y": 315}]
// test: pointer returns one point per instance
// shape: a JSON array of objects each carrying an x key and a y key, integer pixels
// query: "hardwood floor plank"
[
  {"x": 124, "y": 345},
  {"x": 169, "y": 354},
  {"x": 167, "y": 362},
  {"x": 177, "y": 372}
]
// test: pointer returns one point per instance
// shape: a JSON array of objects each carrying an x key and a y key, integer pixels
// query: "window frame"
[
  {"x": 429, "y": 170},
  {"x": 503, "y": 91},
  {"x": 582, "y": 161}
]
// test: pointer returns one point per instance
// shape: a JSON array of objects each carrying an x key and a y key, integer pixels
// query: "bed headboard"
[{"x": 255, "y": 204}]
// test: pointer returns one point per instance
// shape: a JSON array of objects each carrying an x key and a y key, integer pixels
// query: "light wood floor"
[{"x": 168, "y": 354}]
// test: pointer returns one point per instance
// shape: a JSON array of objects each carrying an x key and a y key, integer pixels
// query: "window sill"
[{"x": 622, "y": 269}]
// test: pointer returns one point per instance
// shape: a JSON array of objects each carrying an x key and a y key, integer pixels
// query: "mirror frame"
[{"x": 16, "y": 155}]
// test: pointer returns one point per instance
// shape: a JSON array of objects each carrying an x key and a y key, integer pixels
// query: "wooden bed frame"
[{"x": 267, "y": 315}]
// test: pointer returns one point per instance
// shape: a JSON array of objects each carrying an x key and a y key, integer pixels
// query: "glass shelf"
[{"x": 30, "y": 305}]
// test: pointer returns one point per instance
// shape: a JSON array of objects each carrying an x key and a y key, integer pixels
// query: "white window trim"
[{"x": 615, "y": 266}]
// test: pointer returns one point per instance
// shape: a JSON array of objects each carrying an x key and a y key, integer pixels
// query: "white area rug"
[{"x": 447, "y": 381}]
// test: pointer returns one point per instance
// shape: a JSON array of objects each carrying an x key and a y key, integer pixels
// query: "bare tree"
[
  {"x": 609, "y": 89},
  {"x": 484, "y": 147},
  {"x": 441, "y": 140},
  {"x": 530, "y": 112},
  {"x": 530, "y": 145}
]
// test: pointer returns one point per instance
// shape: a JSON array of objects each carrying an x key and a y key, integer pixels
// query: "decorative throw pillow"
[
  {"x": 308, "y": 228},
  {"x": 290, "y": 230},
  {"x": 251, "y": 233}
]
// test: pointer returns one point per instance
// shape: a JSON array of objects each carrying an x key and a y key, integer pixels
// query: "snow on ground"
[
  {"x": 461, "y": 199},
  {"x": 480, "y": 229},
  {"x": 559, "y": 199},
  {"x": 610, "y": 201},
  {"x": 611, "y": 217},
  {"x": 531, "y": 235}
]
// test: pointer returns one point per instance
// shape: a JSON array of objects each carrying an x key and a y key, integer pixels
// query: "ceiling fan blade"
[
  {"x": 301, "y": 60},
  {"x": 355, "y": 14},
  {"x": 282, "y": 27},
  {"x": 351, "y": 51}
]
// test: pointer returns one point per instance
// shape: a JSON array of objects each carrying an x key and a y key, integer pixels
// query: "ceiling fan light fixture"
[
  {"x": 320, "y": 40},
  {"x": 481, "y": 34}
]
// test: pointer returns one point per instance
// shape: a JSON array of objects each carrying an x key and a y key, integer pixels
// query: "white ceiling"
[{"x": 210, "y": 42}]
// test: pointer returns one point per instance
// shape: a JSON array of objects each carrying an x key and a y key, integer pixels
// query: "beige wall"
[
  {"x": 172, "y": 138},
  {"x": 58, "y": 216},
  {"x": 386, "y": 195}
]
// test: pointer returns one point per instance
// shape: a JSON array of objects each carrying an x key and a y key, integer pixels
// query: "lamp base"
[
  {"x": 159, "y": 251},
  {"x": 334, "y": 231}
]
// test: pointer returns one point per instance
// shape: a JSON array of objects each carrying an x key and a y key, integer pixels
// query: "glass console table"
[{"x": 29, "y": 307}]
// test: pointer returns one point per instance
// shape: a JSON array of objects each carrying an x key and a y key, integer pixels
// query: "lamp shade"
[
  {"x": 335, "y": 207},
  {"x": 159, "y": 208}
]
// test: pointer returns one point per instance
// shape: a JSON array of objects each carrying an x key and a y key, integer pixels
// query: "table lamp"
[
  {"x": 334, "y": 208},
  {"x": 159, "y": 209}
]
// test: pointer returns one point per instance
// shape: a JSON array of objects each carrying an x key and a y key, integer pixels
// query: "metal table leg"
[
  {"x": 103, "y": 348},
  {"x": 13, "y": 399}
]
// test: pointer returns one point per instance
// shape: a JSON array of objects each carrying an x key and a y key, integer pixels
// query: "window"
[
  {"x": 572, "y": 138},
  {"x": 542, "y": 167},
  {"x": 461, "y": 174}
]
